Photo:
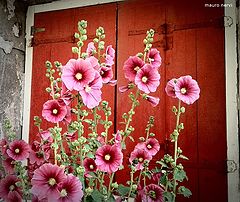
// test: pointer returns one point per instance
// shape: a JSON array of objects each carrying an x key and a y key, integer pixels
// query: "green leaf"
[
  {"x": 180, "y": 175},
  {"x": 123, "y": 190},
  {"x": 90, "y": 155},
  {"x": 168, "y": 196},
  {"x": 184, "y": 191},
  {"x": 97, "y": 196},
  {"x": 111, "y": 198}
]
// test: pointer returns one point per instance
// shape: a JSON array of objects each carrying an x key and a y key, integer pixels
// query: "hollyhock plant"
[
  {"x": 132, "y": 65},
  {"x": 46, "y": 180},
  {"x": 76, "y": 74},
  {"x": 154, "y": 58},
  {"x": 53, "y": 111},
  {"x": 18, "y": 150},
  {"x": 147, "y": 79},
  {"x": 79, "y": 156},
  {"x": 9, "y": 189},
  {"x": 109, "y": 158},
  {"x": 187, "y": 89},
  {"x": 91, "y": 93}
]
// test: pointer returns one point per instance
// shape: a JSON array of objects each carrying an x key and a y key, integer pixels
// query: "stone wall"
[{"x": 12, "y": 54}]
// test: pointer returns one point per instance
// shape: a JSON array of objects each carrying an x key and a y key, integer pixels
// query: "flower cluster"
[{"x": 75, "y": 159}]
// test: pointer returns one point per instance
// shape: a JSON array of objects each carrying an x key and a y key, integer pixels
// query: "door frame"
[{"x": 230, "y": 79}]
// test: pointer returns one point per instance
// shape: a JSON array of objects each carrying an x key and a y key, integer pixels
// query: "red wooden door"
[{"x": 190, "y": 39}]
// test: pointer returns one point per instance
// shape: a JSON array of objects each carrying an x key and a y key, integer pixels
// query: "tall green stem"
[
  {"x": 109, "y": 186},
  {"x": 175, "y": 150}
]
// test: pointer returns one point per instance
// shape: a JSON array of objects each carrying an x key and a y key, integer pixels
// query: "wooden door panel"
[{"x": 134, "y": 19}]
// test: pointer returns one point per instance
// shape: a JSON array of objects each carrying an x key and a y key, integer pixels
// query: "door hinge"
[
  {"x": 231, "y": 166},
  {"x": 36, "y": 30}
]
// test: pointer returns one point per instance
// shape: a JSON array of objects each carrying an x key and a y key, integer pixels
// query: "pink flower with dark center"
[
  {"x": 36, "y": 157},
  {"x": 153, "y": 100},
  {"x": 138, "y": 156},
  {"x": 89, "y": 165},
  {"x": 8, "y": 188},
  {"x": 151, "y": 146},
  {"x": 46, "y": 180},
  {"x": 153, "y": 193},
  {"x": 18, "y": 150},
  {"x": 131, "y": 66},
  {"x": 70, "y": 190},
  {"x": 108, "y": 158},
  {"x": 8, "y": 165},
  {"x": 92, "y": 94},
  {"x": 156, "y": 177},
  {"x": 14, "y": 197},
  {"x": 106, "y": 74},
  {"x": 91, "y": 50},
  {"x": 154, "y": 58},
  {"x": 187, "y": 89},
  {"x": 68, "y": 118},
  {"x": 170, "y": 88},
  {"x": 110, "y": 55},
  {"x": 76, "y": 74},
  {"x": 147, "y": 79},
  {"x": 53, "y": 111},
  {"x": 46, "y": 136}
]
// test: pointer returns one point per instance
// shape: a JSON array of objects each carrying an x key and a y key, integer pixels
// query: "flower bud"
[
  {"x": 114, "y": 185},
  {"x": 74, "y": 49},
  {"x": 48, "y": 89},
  {"x": 182, "y": 109},
  {"x": 89, "y": 190},
  {"x": 84, "y": 37},
  {"x": 134, "y": 187},
  {"x": 76, "y": 35}
]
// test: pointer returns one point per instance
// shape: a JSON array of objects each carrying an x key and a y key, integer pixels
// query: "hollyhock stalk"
[{"x": 175, "y": 149}]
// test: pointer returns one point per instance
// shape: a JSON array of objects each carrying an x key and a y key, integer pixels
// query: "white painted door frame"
[{"x": 231, "y": 81}]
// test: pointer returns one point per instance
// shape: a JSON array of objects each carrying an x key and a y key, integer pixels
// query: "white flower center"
[
  {"x": 63, "y": 193},
  {"x": 51, "y": 181},
  {"x": 149, "y": 146},
  {"x": 144, "y": 79},
  {"x": 55, "y": 111},
  {"x": 136, "y": 68},
  {"x": 78, "y": 76},
  {"x": 107, "y": 157},
  {"x": 183, "y": 90},
  {"x": 91, "y": 166},
  {"x": 88, "y": 89},
  {"x": 140, "y": 159},
  {"x": 17, "y": 151},
  {"x": 12, "y": 187}
]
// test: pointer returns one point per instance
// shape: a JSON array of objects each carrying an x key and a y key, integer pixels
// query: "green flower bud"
[
  {"x": 95, "y": 40},
  {"x": 89, "y": 190},
  {"x": 80, "y": 44},
  {"x": 182, "y": 109},
  {"x": 83, "y": 31},
  {"x": 134, "y": 187},
  {"x": 80, "y": 170},
  {"x": 48, "y": 64},
  {"x": 145, "y": 41},
  {"x": 56, "y": 96},
  {"x": 114, "y": 185},
  {"x": 84, "y": 37},
  {"x": 74, "y": 49},
  {"x": 76, "y": 35},
  {"x": 48, "y": 90},
  {"x": 84, "y": 55},
  {"x": 140, "y": 55}
]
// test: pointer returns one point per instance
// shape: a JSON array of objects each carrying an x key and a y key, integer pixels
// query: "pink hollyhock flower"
[
  {"x": 18, "y": 150},
  {"x": 92, "y": 94},
  {"x": 46, "y": 136},
  {"x": 147, "y": 79},
  {"x": 106, "y": 74},
  {"x": 131, "y": 66},
  {"x": 8, "y": 188},
  {"x": 153, "y": 193},
  {"x": 89, "y": 165},
  {"x": 112, "y": 83},
  {"x": 8, "y": 165},
  {"x": 53, "y": 111},
  {"x": 66, "y": 96},
  {"x": 152, "y": 146},
  {"x": 139, "y": 155},
  {"x": 123, "y": 89},
  {"x": 187, "y": 89},
  {"x": 108, "y": 158},
  {"x": 36, "y": 157},
  {"x": 155, "y": 58},
  {"x": 118, "y": 139},
  {"x": 91, "y": 50},
  {"x": 170, "y": 88},
  {"x": 153, "y": 100},
  {"x": 35, "y": 199},
  {"x": 3, "y": 146},
  {"x": 70, "y": 190},
  {"x": 156, "y": 177},
  {"x": 110, "y": 55},
  {"x": 94, "y": 63},
  {"x": 46, "y": 180},
  {"x": 76, "y": 74},
  {"x": 101, "y": 140},
  {"x": 68, "y": 118}
]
